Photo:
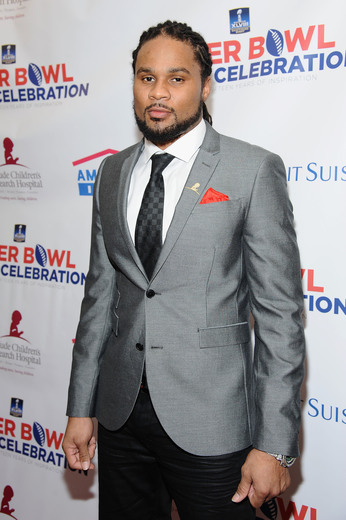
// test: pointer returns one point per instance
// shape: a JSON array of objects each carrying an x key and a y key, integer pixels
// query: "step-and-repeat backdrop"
[{"x": 65, "y": 103}]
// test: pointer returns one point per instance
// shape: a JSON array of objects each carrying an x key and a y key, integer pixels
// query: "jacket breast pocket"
[
  {"x": 217, "y": 222},
  {"x": 224, "y": 336},
  {"x": 222, "y": 207}
]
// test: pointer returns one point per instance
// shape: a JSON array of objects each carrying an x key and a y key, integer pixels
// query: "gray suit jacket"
[{"x": 212, "y": 393}]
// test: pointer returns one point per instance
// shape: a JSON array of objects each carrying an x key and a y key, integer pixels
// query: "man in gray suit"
[{"x": 163, "y": 357}]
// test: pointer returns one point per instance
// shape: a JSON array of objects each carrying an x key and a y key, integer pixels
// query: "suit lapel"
[
  {"x": 201, "y": 172},
  {"x": 121, "y": 206}
]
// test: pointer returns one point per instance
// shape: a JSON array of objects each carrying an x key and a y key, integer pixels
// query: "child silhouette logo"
[
  {"x": 8, "y": 148},
  {"x": 5, "y": 502},
  {"x": 16, "y": 319}
]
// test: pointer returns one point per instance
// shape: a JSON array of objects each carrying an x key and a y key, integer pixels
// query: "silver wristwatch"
[{"x": 284, "y": 460}]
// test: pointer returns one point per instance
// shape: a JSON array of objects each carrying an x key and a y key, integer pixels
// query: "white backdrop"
[{"x": 65, "y": 102}]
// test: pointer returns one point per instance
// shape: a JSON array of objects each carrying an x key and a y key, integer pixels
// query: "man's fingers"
[
  {"x": 243, "y": 489},
  {"x": 84, "y": 457},
  {"x": 79, "y": 444},
  {"x": 79, "y": 458},
  {"x": 86, "y": 453},
  {"x": 256, "y": 500},
  {"x": 262, "y": 479}
]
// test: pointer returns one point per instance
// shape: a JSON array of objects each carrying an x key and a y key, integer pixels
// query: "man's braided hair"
[{"x": 181, "y": 32}]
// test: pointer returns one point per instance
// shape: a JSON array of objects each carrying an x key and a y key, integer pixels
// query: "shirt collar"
[{"x": 183, "y": 148}]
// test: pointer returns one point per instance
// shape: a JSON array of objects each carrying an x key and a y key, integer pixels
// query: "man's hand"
[
  {"x": 263, "y": 478},
  {"x": 79, "y": 444}
]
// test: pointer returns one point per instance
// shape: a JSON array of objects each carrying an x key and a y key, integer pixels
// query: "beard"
[{"x": 170, "y": 133}]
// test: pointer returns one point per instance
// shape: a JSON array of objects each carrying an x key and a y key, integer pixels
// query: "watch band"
[{"x": 285, "y": 460}]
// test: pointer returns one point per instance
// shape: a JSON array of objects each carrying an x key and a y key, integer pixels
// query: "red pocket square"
[{"x": 213, "y": 196}]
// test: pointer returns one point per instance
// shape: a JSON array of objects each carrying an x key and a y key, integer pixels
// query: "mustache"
[{"x": 159, "y": 105}]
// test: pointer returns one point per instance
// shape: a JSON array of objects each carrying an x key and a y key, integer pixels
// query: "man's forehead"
[{"x": 173, "y": 53}]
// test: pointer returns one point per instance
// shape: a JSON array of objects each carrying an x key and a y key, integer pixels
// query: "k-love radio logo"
[
  {"x": 277, "y": 54},
  {"x": 39, "y": 263},
  {"x": 36, "y": 82},
  {"x": 87, "y": 169},
  {"x": 316, "y": 301}
]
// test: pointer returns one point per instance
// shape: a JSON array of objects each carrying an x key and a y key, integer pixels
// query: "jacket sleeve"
[
  {"x": 273, "y": 272},
  {"x": 95, "y": 320}
]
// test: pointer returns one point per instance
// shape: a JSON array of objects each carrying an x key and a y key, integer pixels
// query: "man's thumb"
[
  {"x": 84, "y": 457},
  {"x": 242, "y": 490}
]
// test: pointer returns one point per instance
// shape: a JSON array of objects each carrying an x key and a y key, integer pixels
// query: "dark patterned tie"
[{"x": 148, "y": 234}]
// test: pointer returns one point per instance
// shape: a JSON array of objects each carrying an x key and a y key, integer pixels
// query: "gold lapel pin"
[{"x": 194, "y": 187}]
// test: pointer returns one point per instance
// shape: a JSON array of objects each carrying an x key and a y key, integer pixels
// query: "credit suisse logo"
[
  {"x": 38, "y": 82},
  {"x": 317, "y": 172},
  {"x": 276, "y": 54},
  {"x": 317, "y": 409}
]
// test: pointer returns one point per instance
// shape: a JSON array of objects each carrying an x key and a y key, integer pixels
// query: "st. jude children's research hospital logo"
[
  {"x": 277, "y": 53},
  {"x": 36, "y": 82},
  {"x": 17, "y": 354},
  {"x": 16, "y": 177}
]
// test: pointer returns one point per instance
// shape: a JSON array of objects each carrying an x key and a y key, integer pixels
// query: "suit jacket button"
[
  {"x": 150, "y": 293},
  {"x": 139, "y": 346}
]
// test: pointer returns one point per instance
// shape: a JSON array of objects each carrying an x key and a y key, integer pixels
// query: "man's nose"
[{"x": 159, "y": 90}]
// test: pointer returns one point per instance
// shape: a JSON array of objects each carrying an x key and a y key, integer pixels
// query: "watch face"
[
  {"x": 289, "y": 461},
  {"x": 284, "y": 460}
]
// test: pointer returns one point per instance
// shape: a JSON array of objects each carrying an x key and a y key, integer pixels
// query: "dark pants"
[{"x": 141, "y": 470}]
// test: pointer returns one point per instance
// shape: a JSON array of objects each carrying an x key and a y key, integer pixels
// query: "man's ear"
[{"x": 206, "y": 88}]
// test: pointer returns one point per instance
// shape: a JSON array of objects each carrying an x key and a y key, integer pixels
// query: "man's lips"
[{"x": 158, "y": 112}]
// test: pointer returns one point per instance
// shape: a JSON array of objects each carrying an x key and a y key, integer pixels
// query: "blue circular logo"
[
  {"x": 35, "y": 74},
  {"x": 39, "y": 434},
  {"x": 40, "y": 255},
  {"x": 275, "y": 42}
]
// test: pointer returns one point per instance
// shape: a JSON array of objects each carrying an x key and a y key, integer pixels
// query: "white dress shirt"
[{"x": 185, "y": 151}]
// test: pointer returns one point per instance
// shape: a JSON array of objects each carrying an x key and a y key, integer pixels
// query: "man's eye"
[
  {"x": 148, "y": 79},
  {"x": 177, "y": 80}
]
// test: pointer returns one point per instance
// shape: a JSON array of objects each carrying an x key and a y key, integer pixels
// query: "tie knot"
[{"x": 159, "y": 162}]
